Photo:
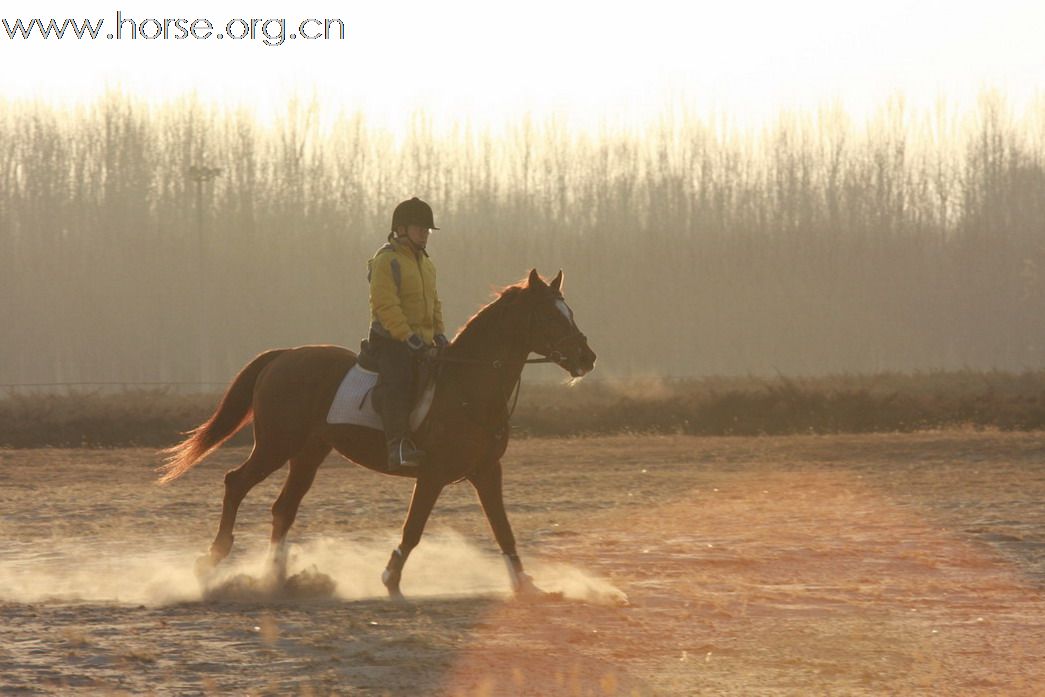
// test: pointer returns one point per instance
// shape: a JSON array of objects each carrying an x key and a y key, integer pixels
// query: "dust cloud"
[{"x": 444, "y": 565}]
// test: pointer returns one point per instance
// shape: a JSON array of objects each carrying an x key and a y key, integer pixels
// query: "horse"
[{"x": 287, "y": 393}]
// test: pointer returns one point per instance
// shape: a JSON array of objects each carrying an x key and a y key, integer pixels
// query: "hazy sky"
[{"x": 586, "y": 60}]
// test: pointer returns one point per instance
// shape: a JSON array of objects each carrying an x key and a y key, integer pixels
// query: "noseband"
[{"x": 555, "y": 354}]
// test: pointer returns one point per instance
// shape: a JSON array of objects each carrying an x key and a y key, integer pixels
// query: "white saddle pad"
[{"x": 354, "y": 402}]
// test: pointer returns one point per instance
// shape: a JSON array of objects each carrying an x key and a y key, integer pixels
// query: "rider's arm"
[
  {"x": 384, "y": 297},
  {"x": 437, "y": 317}
]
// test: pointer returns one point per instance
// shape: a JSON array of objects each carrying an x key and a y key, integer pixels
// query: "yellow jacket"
[{"x": 403, "y": 299}]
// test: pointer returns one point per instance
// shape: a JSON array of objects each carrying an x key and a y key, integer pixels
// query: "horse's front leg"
[
  {"x": 426, "y": 491},
  {"x": 488, "y": 486}
]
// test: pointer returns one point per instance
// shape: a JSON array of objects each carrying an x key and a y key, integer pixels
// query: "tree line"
[{"x": 815, "y": 244}]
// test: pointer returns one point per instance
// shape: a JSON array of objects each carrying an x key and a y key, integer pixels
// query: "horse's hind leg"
[
  {"x": 303, "y": 467},
  {"x": 260, "y": 464}
]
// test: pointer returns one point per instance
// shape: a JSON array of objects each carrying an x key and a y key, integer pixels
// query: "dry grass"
[
  {"x": 713, "y": 406},
  {"x": 752, "y": 406}
]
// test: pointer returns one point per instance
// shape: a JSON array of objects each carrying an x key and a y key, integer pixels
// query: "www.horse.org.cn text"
[{"x": 270, "y": 32}]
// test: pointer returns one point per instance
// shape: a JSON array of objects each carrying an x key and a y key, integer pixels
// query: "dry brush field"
[{"x": 900, "y": 564}]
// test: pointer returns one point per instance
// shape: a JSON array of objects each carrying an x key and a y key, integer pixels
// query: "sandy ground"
[{"x": 851, "y": 565}]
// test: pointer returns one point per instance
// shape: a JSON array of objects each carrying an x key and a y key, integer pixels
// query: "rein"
[
  {"x": 496, "y": 365},
  {"x": 498, "y": 428},
  {"x": 491, "y": 364},
  {"x": 554, "y": 355}
]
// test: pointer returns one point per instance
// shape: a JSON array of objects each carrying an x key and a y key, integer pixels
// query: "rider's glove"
[
  {"x": 415, "y": 343},
  {"x": 441, "y": 341}
]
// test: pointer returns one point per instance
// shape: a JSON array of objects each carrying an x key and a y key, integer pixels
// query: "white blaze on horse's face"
[{"x": 567, "y": 312}]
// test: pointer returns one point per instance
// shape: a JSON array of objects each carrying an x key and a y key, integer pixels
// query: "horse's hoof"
[
  {"x": 526, "y": 589},
  {"x": 205, "y": 566},
  {"x": 529, "y": 590},
  {"x": 394, "y": 593},
  {"x": 390, "y": 580},
  {"x": 275, "y": 580},
  {"x": 536, "y": 595},
  {"x": 276, "y": 573}
]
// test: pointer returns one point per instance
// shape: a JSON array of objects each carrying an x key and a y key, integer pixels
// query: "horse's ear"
[
  {"x": 556, "y": 283},
  {"x": 534, "y": 280}
]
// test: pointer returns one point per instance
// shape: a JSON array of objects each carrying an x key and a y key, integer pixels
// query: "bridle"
[{"x": 553, "y": 354}]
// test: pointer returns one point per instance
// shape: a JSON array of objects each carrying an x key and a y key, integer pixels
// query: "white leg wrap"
[
  {"x": 278, "y": 553},
  {"x": 387, "y": 575}
]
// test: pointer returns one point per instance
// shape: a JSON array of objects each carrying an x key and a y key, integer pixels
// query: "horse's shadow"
[
  {"x": 423, "y": 644},
  {"x": 371, "y": 645},
  {"x": 313, "y": 586}
]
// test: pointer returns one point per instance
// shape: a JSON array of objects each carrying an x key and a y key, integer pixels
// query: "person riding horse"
[
  {"x": 286, "y": 393},
  {"x": 406, "y": 319}
]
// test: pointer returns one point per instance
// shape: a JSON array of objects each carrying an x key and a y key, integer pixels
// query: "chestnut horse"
[{"x": 288, "y": 392}]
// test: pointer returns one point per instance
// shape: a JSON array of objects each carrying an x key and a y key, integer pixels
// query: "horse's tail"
[{"x": 235, "y": 411}]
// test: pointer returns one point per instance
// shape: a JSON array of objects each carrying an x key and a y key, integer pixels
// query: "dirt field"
[{"x": 843, "y": 565}]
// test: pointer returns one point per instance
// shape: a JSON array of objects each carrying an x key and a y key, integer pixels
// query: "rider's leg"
[{"x": 396, "y": 387}]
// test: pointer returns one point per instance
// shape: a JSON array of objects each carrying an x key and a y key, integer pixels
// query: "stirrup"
[{"x": 405, "y": 457}]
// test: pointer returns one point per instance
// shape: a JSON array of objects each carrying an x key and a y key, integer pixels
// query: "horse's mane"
[{"x": 490, "y": 314}]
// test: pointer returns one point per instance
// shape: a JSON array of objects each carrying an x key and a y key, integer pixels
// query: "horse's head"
[{"x": 553, "y": 331}]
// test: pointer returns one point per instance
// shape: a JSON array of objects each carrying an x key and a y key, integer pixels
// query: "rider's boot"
[{"x": 403, "y": 456}]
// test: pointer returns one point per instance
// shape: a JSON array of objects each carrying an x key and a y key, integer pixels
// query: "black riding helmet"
[{"x": 413, "y": 212}]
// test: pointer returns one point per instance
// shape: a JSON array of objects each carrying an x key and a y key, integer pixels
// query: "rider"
[{"x": 406, "y": 318}]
